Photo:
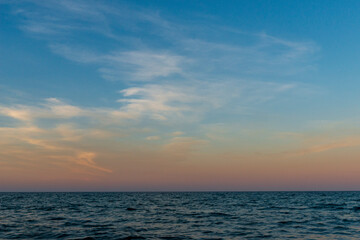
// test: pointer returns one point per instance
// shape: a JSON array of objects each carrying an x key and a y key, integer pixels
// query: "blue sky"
[{"x": 82, "y": 80}]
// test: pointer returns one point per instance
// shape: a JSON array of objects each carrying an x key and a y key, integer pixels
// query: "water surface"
[{"x": 225, "y": 215}]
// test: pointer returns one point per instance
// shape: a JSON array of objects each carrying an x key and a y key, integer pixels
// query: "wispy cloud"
[
  {"x": 159, "y": 101},
  {"x": 177, "y": 133},
  {"x": 172, "y": 102},
  {"x": 180, "y": 148},
  {"x": 49, "y": 18},
  {"x": 169, "y": 48},
  {"x": 52, "y": 108},
  {"x": 49, "y": 143},
  {"x": 265, "y": 55},
  {"x": 69, "y": 128},
  {"x": 324, "y": 147},
  {"x": 134, "y": 65},
  {"x": 146, "y": 65},
  {"x": 152, "y": 101},
  {"x": 321, "y": 136},
  {"x": 171, "y": 81},
  {"x": 151, "y": 138},
  {"x": 87, "y": 159}
]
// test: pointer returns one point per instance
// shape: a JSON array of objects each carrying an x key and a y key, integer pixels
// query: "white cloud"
[
  {"x": 62, "y": 110},
  {"x": 145, "y": 65},
  {"x": 169, "y": 48},
  {"x": 171, "y": 103},
  {"x": 150, "y": 138},
  {"x": 177, "y": 133},
  {"x": 20, "y": 113},
  {"x": 52, "y": 108},
  {"x": 76, "y": 54},
  {"x": 134, "y": 65},
  {"x": 158, "y": 101}
]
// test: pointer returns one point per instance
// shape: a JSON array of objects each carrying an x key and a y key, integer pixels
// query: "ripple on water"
[{"x": 281, "y": 215}]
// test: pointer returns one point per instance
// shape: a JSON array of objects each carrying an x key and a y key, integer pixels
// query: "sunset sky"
[{"x": 179, "y": 95}]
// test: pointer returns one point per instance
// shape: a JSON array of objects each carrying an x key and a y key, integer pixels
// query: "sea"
[{"x": 180, "y": 215}]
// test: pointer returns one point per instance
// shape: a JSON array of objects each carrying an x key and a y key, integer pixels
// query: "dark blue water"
[{"x": 271, "y": 215}]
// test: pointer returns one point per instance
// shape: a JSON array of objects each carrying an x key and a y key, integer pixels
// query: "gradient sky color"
[{"x": 179, "y": 95}]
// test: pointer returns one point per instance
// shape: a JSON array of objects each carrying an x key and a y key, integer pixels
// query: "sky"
[{"x": 179, "y": 95}]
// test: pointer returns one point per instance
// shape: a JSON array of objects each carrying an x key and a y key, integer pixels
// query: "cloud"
[
  {"x": 265, "y": 55},
  {"x": 170, "y": 103},
  {"x": 319, "y": 148},
  {"x": 87, "y": 159},
  {"x": 180, "y": 148},
  {"x": 59, "y": 109},
  {"x": 151, "y": 101},
  {"x": 159, "y": 102},
  {"x": 177, "y": 133},
  {"x": 174, "y": 80},
  {"x": 59, "y": 143},
  {"x": 52, "y": 108},
  {"x": 348, "y": 142},
  {"x": 149, "y": 47},
  {"x": 76, "y": 54},
  {"x": 150, "y": 138},
  {"x": 135, "y": 65},
  {"x": 201, "y": 60},
  {"x": 53, "y": 18},
  {"x": 19, "y": 113},
  {"x": 322, "y": 136},
  {"x": 146, "y": 65}
]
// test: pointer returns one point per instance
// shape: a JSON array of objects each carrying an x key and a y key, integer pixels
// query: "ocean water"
[{"x": 222, "y": 215}]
